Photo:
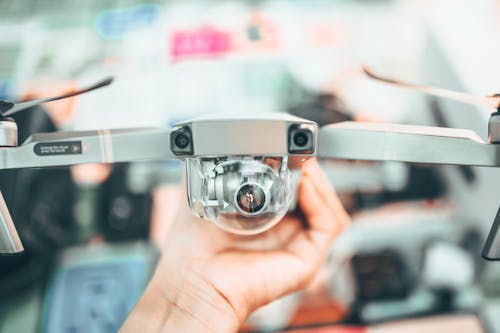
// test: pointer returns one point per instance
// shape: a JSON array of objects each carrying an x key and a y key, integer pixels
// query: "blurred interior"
[{"x": 410, "y": 261}]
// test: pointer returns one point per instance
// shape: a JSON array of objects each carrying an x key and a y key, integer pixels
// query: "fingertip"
[
  {"x": 315, "y": 173},
  {"x": 311, "y": 166},
  {"x": 308, "y": 198}
]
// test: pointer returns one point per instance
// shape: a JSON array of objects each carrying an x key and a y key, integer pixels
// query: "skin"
[{"x": 208, "y": 280}]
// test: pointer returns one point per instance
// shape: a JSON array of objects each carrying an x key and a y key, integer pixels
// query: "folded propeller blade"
[
  {"x": 488, "y": 101},
  {"x": 9, "y": 108}
]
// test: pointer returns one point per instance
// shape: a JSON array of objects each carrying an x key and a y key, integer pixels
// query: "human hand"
[{"x": 210, "y": 280}]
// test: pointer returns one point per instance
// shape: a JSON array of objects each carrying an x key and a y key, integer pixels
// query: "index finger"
[{"x": 320, "y": 203}]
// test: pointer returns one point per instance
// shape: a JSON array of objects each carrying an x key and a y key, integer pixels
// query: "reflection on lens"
[{"x": 251, "y": 198}]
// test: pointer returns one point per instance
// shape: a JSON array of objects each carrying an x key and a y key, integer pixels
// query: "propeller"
[
  {"x": 9, "y": 108},
  {"x": 492, "y": 101}
]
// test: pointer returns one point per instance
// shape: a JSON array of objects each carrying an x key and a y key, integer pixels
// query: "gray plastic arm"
[
  {"x": 101, "y": 146},
  {"x": 405, "y": 143}
]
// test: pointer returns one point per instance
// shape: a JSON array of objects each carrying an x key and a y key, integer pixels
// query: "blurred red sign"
[{"x": 204, "y": 41}]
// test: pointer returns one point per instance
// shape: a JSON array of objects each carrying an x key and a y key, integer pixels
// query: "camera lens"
[
  {"x": 300, "y": 139},
  {"x": 181, "y": 141},
  {"x": 251, "y": 198}
]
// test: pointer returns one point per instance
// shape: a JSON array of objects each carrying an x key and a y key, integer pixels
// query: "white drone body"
[{"x": 238, "y": 167}]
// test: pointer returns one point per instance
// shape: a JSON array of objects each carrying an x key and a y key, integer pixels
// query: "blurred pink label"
[{"x": 205, "y": 41}]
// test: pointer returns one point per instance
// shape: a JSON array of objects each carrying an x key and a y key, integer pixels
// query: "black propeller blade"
[
  {"x": 488, "y": 101},
  {"x": 9, "y": 108}
]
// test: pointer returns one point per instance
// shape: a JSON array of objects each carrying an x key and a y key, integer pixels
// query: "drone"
[{"x": 238, "y": 168}]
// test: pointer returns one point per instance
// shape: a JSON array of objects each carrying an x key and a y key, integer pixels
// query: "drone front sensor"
[{"x": 181, "y": 141}]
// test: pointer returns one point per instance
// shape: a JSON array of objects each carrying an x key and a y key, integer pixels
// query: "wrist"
[
  {"x": 195, "y": 304},
  {"x": 192, "y": 303}
]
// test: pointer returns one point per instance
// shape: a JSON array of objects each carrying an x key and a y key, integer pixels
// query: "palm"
[{"x": 251, "y": 271}]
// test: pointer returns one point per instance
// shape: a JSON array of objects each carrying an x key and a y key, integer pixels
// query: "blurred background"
[{"x": 410, "y": 261}]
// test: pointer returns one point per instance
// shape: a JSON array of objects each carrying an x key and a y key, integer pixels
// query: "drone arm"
[
  {"x": 405, "y": 143},
  {"x": 101, "y": 146}
]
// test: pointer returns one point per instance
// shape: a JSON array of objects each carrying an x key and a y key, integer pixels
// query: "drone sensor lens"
[
  {"x": 182, "y": 141},
  {"x": 300, "y": 139}
]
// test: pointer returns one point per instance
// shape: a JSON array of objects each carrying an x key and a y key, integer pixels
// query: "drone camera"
[
  {"x": 240, "y": 194},
  {"x": 301, "y": 139},
  {"x": 181, "y": 141}
]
